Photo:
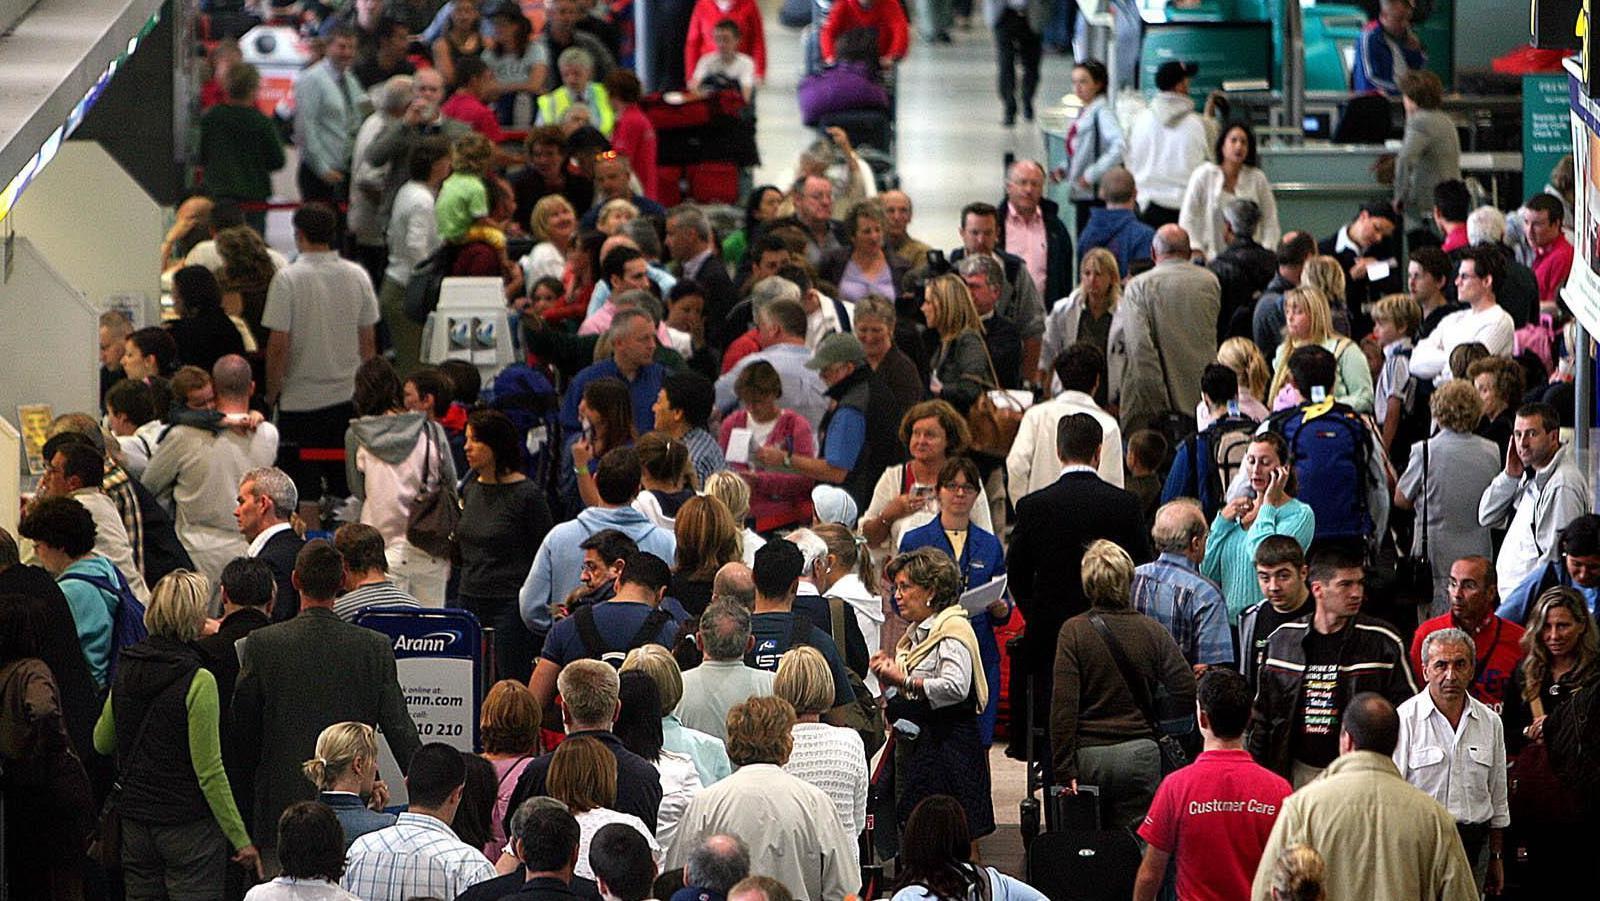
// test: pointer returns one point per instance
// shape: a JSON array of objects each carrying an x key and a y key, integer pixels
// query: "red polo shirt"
[
  {"x": 463, "y": 107},
  {"x": 1551, "y": 264},
  {"x": 1216, "y": 814},
  {"x": 1499, "y": 650}
]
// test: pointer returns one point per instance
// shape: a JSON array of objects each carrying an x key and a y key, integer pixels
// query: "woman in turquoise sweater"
[
  {"x": 1260, "y": 506},
  {"x": 179, "y": 823}
]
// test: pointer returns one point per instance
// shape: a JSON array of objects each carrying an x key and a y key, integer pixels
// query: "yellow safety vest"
[{"x": 553, "y": 105}]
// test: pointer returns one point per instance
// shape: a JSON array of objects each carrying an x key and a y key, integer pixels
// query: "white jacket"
[
  {"x": 1033, "y": 464},
  {"x": 1167, "y": 142},
  {"x": 1203, "y": 200}
]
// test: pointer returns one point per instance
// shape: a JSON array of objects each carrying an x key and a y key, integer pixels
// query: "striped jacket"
[{"x": 1373, "y": 658}]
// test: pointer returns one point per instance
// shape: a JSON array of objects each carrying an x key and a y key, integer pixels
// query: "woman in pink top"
[
  {"x": 509, "y": 726},
  {"x": 777, "y": 497},
  {"x": 633, "y": 137}
]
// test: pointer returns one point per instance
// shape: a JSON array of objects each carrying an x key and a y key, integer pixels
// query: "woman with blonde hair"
[
  {"x": 1083, "y": 315},
  {"x": 1245, "y": 359},
  {"x": 830, "y": 757},
  {"x": 1299, "y": 874},
  {"x": 554, "y": 224},
  {"x": 1308, "y": 322},
  {"x": 1098, "y": 732},
  {"x": 345, "y": 772},
  {"x": 708, "y": 538},
  {"x": 960, "y": 364},
  {"x": 614, "y": 215},
  {"x": 508, "y": 725},
  {"x": 734, "y": 493},
  {"x": 583, "y": 776},
  {"x": 179, "y": 820},
  {"x": 709, "y": 754},
  {"x": 1324, "y": 273}
]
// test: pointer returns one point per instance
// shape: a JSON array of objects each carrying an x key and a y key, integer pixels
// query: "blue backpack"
[
  {"x": 127, "y": 623},
  {"x": 530, "y": 401},
  {"x": 1330, "y": 454}
]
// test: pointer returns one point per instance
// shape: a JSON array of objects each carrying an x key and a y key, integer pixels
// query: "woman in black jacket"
[
  {"x": 202, "y": 330},
  {"x": 179, "y": 822}
]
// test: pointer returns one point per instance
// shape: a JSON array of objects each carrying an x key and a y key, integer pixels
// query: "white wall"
[
  {"x": 96, "y": 226},
  {"x": 48, "y": 337}
]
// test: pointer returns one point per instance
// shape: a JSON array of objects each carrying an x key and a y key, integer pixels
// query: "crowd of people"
[{"x": 1302, "y": 566}]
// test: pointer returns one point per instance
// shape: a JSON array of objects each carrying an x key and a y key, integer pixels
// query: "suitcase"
[
  {"x": 714, "y": 182},
  {"x": 1081, "y": 860}
]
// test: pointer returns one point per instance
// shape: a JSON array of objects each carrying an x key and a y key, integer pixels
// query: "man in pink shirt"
[
  {"x": 1217, "y": 813},
  {"x": 1031, "y": 228},
  {"x": 1552, "y": 252}
]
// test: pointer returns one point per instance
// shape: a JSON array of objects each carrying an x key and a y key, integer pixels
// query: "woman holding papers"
[
  {"x": 935, "y": 692},
  {"x": 979, "y": 557}
]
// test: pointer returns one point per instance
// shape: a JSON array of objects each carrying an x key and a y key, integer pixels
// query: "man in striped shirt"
[
  {"x": 366, "y": 573},
  {"x": 1173, "y": 593},
  {"x": 420, "y": 856}
]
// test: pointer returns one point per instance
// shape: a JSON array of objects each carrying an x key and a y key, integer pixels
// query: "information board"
[
  {"x": 438, "y": 657},
  {"x": 1546, "y": 128}
]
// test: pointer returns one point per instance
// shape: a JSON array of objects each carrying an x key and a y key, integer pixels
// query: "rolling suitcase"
[{"x": 1079, "y": 859}]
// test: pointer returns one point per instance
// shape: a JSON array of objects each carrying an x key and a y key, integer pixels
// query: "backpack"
[
  {"x": 1227, "y": 439},
  {"x": 127, "y": 623},
  {"x": 1330, "y": 454},
  {"x": 1175, "y": 427},
  {"x": 528, "y": 399},
  {"x": 862, "y": 714},
  {"x": 595, "y": 646}
]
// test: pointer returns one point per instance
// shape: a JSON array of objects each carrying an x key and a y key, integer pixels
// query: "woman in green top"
[
  {"x": 760, "y": 208},
  {"x": 178, "y": 816}
]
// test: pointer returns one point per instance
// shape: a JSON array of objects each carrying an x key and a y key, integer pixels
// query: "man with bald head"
[
  {"x": 198, "y": 469},
  {"x": 1031, "y": 228},
  {"x": 1163, "y": 334},
  {"x": 898, "y": 211},
  {"x": 1172, "y": 592},
  {"x": 722, "y": 680}
]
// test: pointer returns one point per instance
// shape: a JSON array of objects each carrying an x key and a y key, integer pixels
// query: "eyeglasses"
[{"x": 959, "y": 488}]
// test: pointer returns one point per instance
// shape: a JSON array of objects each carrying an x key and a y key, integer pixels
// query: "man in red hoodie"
[{"x": 886, "y": 16}]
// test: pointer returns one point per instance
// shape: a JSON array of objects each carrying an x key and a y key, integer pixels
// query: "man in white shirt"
[
  {"x": 1484, "y": 321},
  {"x": 1032, "y": 463},
  {"x": 1545, "y": 482},
  {"x": 322, "y": 312},
  {"x": 420, "y": 856},
  {"x": 197, "y": 469},
  {"x": 791, "y": 826},
  {"x": 1453, "y": 747},
  {"x": 1167, "y": 142}
]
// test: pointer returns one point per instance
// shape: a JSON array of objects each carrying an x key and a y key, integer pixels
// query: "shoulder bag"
[
  {"x": 993, "y": 425},
  {"x": 1173, "y": 756},
  {"x": 435, "y": 511},
  {"x": 1415, "y": 571}
]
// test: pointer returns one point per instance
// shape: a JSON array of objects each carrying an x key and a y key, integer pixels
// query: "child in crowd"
[
  {"x": 1147, "y": 450},
  {"x": 463, "y": 207},
  {"x": 1395, "y": 320},
  {"x": 726, "y": 66}
]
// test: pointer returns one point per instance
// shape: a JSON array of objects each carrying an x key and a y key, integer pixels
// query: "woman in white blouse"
[
  {"x": 830, "y": 757},
  {"x": 1236, "y": 175},
  {"x": 583, "y": 776},
  {"x": 554, "y": 224},
  {"x": 639, "y": 728}
]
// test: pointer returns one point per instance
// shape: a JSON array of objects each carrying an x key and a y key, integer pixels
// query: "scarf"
[{"x": 949, "y": 623}]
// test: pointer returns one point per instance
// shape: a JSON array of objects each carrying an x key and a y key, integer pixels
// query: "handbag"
[
  {"x": 1165, "y": 724},
  {"x": 1537, "y": 792},
  {"x": 994, "y": 426},
  {"x": 436, "y": 511},
  {"x": 1414, "y": 576}
]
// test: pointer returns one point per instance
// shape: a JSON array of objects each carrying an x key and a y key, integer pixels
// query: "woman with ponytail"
[
  {"x": 845, "y": 572},
  {"x": 345, "y": 772}
]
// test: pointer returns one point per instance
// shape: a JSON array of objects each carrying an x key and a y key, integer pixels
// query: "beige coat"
[{"x": 1162, "y": 336}]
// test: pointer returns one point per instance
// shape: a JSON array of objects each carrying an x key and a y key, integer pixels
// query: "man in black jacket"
[
  {"x": 247, "y": 589},
  {"x": 1316, "y": 664},
  {"x": 985, "y": 281},
  {"x": 1020, "y": 300},
  {"x": 689, "y": 241},
  {"x": 1054, "y": 527},
  {"x": 267, "y": 498},
  {"x": 589, "y": 705},
  {"x": 1244, "y": 268},
  {"x": 299, "y": 677},
  {"x": 1366, "y": 242}
]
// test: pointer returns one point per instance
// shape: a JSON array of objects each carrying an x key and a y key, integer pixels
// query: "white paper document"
[
  {"x": 739, "y": 446},
  {"x": 977, "y": 600}
]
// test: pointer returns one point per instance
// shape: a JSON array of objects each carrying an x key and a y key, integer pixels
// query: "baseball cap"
[
  {"x": 839, "y": 347},
  {"x": 1173, "y": 71}
]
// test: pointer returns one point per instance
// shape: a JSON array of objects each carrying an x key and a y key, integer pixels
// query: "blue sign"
[{"x": 438, "y": 657}]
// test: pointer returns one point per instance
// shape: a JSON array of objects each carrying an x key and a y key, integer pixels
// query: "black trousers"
[
  {"x": 1155, "y": 215},
  {"x": 323, "y": 428},
  {"x": 514, "y": 646},
  {"x": 1013, "y": 39},
  {"x": 313, "y": 188}
]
